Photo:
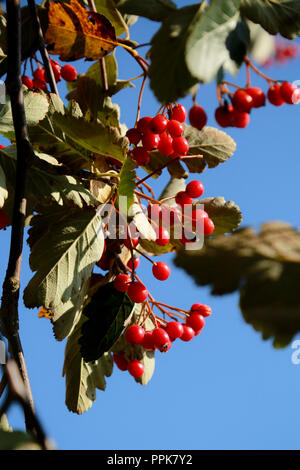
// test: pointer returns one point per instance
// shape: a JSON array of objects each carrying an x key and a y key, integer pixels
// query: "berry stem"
[
  {"x": 159, "y": 169},
  {"x": 143, "y": 254},
  {"x": 42, "y": 47},
  {"x": 256, "y": 70},
  {"x": 140, "y": 99}
]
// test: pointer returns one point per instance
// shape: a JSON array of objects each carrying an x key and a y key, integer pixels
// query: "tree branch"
[
  {"x": 9, "y": 314},
  {"x": 41, "y": 46},
  {"x": 18, "y": 393}
]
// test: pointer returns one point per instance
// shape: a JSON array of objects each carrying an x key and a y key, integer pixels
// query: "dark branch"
[
  {"x": 11, "y": 287},
  {"x": 18, "y": 393},
  {"x": 41, "y": 46}
]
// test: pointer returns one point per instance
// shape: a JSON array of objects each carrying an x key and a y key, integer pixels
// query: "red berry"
[
  {"x": 161, "y": 271},
  {"x": 154, "y": 212},
  {"x": 104, "y": 262},
  {"x": 195, "y": 321},
  {"x": 274, "y": 95},
  {"x": 137, "y": 292},
  {"x": 134, "y": 136},
  {"x": 2, "y": 146},
  {"x": 198, "y": 215},
  {"x": 140, "y": 155},
  {"x": 27, "y": 81},
  {"x": 242, "y": 101},
  {"x": 56, "y": 70},
  {"x": 122, "y": 282},
  {"x": 128, "y": 239},
  {"x": 258, "y": 96},
  {"x": 187, "y": 237},
  {"x": 175, "y": 128},
  {"x": 150, "y": 141},
  {"x": 188, "y": 333},
  {"x": 161, "y": 339},
  {"x": 195, "y": 189},
  {"x": 39, "y": 74},
  {"x": 240, "y": 119},
  {"x": 290, "y": 93},
  {"x": 204, "y": 310},
  {"x": 162, "y": 236},
  {"x": 167, "y": 346},
  {"x": 39, "y": 84},
  {"x": 208, "y": 226},
  {"x": 147, "y": 342},
  {"x": 165, "y": 146},
  {"x": 182, "y": 199},
  {"x": 135, "y": 264},
  {"x": 134, "y": 334},
  {"x": 158, "y": 124},
  {"x": 3, "y": 219},
  {"x": 174, "y": 330},
  {"x": 179, "y": 113},
  {"x": 68, "y": 73},
  {"x": 197, "y": 117},
  {"x": 224, "y": 115},
  {"x": 120, "y": 361},
  {"x": 135, "y": 368},
  {"x": 144, "y": 124},
  {"x": 180, "y": 145}
]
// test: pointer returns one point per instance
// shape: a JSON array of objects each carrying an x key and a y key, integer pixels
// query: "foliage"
[{"x": 82, "y": 164}]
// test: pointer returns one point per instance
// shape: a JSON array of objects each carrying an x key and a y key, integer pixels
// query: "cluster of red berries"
[
  {"x": 283, "y": 52},
  {"x": 39, "y": 80},
  {"x": 161, "y": 133},
  {"x": 237, "y": 114},
  {"x": 161, "y": 337}
]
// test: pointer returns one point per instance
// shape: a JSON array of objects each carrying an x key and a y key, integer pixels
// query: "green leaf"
[
  {"x": 262, "y": 44},
  {"x": 237, "y": 43},
  {"x": 226, "y": 216},
  {"x": 4, "y": 425},
  {"x": 127, "y": 185},
  {"x": 274, "y": 16},
  {"x": 47, "y": 137},
  {"x": 264, "y": 267},
  {"x": 156, "y": 10},
  {"x": 36, "y": 106},
  {"x": 17, "y": 440},
  {"x": 174, "y": 186},
  {"x": 82, "y": 378},
  {"x": 157, "y": 160},
  {"x": 65, "y": 244},
  {"x": 170, "y": 76},
  {"x": 93, "y": 136},
  {"x": 89, "y": 92},
  {"x": 107, "y": 313},
  {"x": 108, "y": 9},
  {"x": 41, "y": 186},
  {"x": 212, "y": 145},
  {"x": 206, "y": 48}
]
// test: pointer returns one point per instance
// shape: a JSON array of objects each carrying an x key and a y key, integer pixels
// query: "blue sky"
[{"x": 227, "y": 389}]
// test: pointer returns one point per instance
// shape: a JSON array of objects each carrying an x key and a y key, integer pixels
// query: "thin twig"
[
  {"x": 11, "y": 286},
  {"x": 92, "y": 7},
  {"x": 41, "y": 46}
]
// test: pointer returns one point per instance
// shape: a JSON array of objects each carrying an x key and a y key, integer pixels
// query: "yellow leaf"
[
  {"x": 44, "y": 313},
  {"x": 74, "y": 32}
]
